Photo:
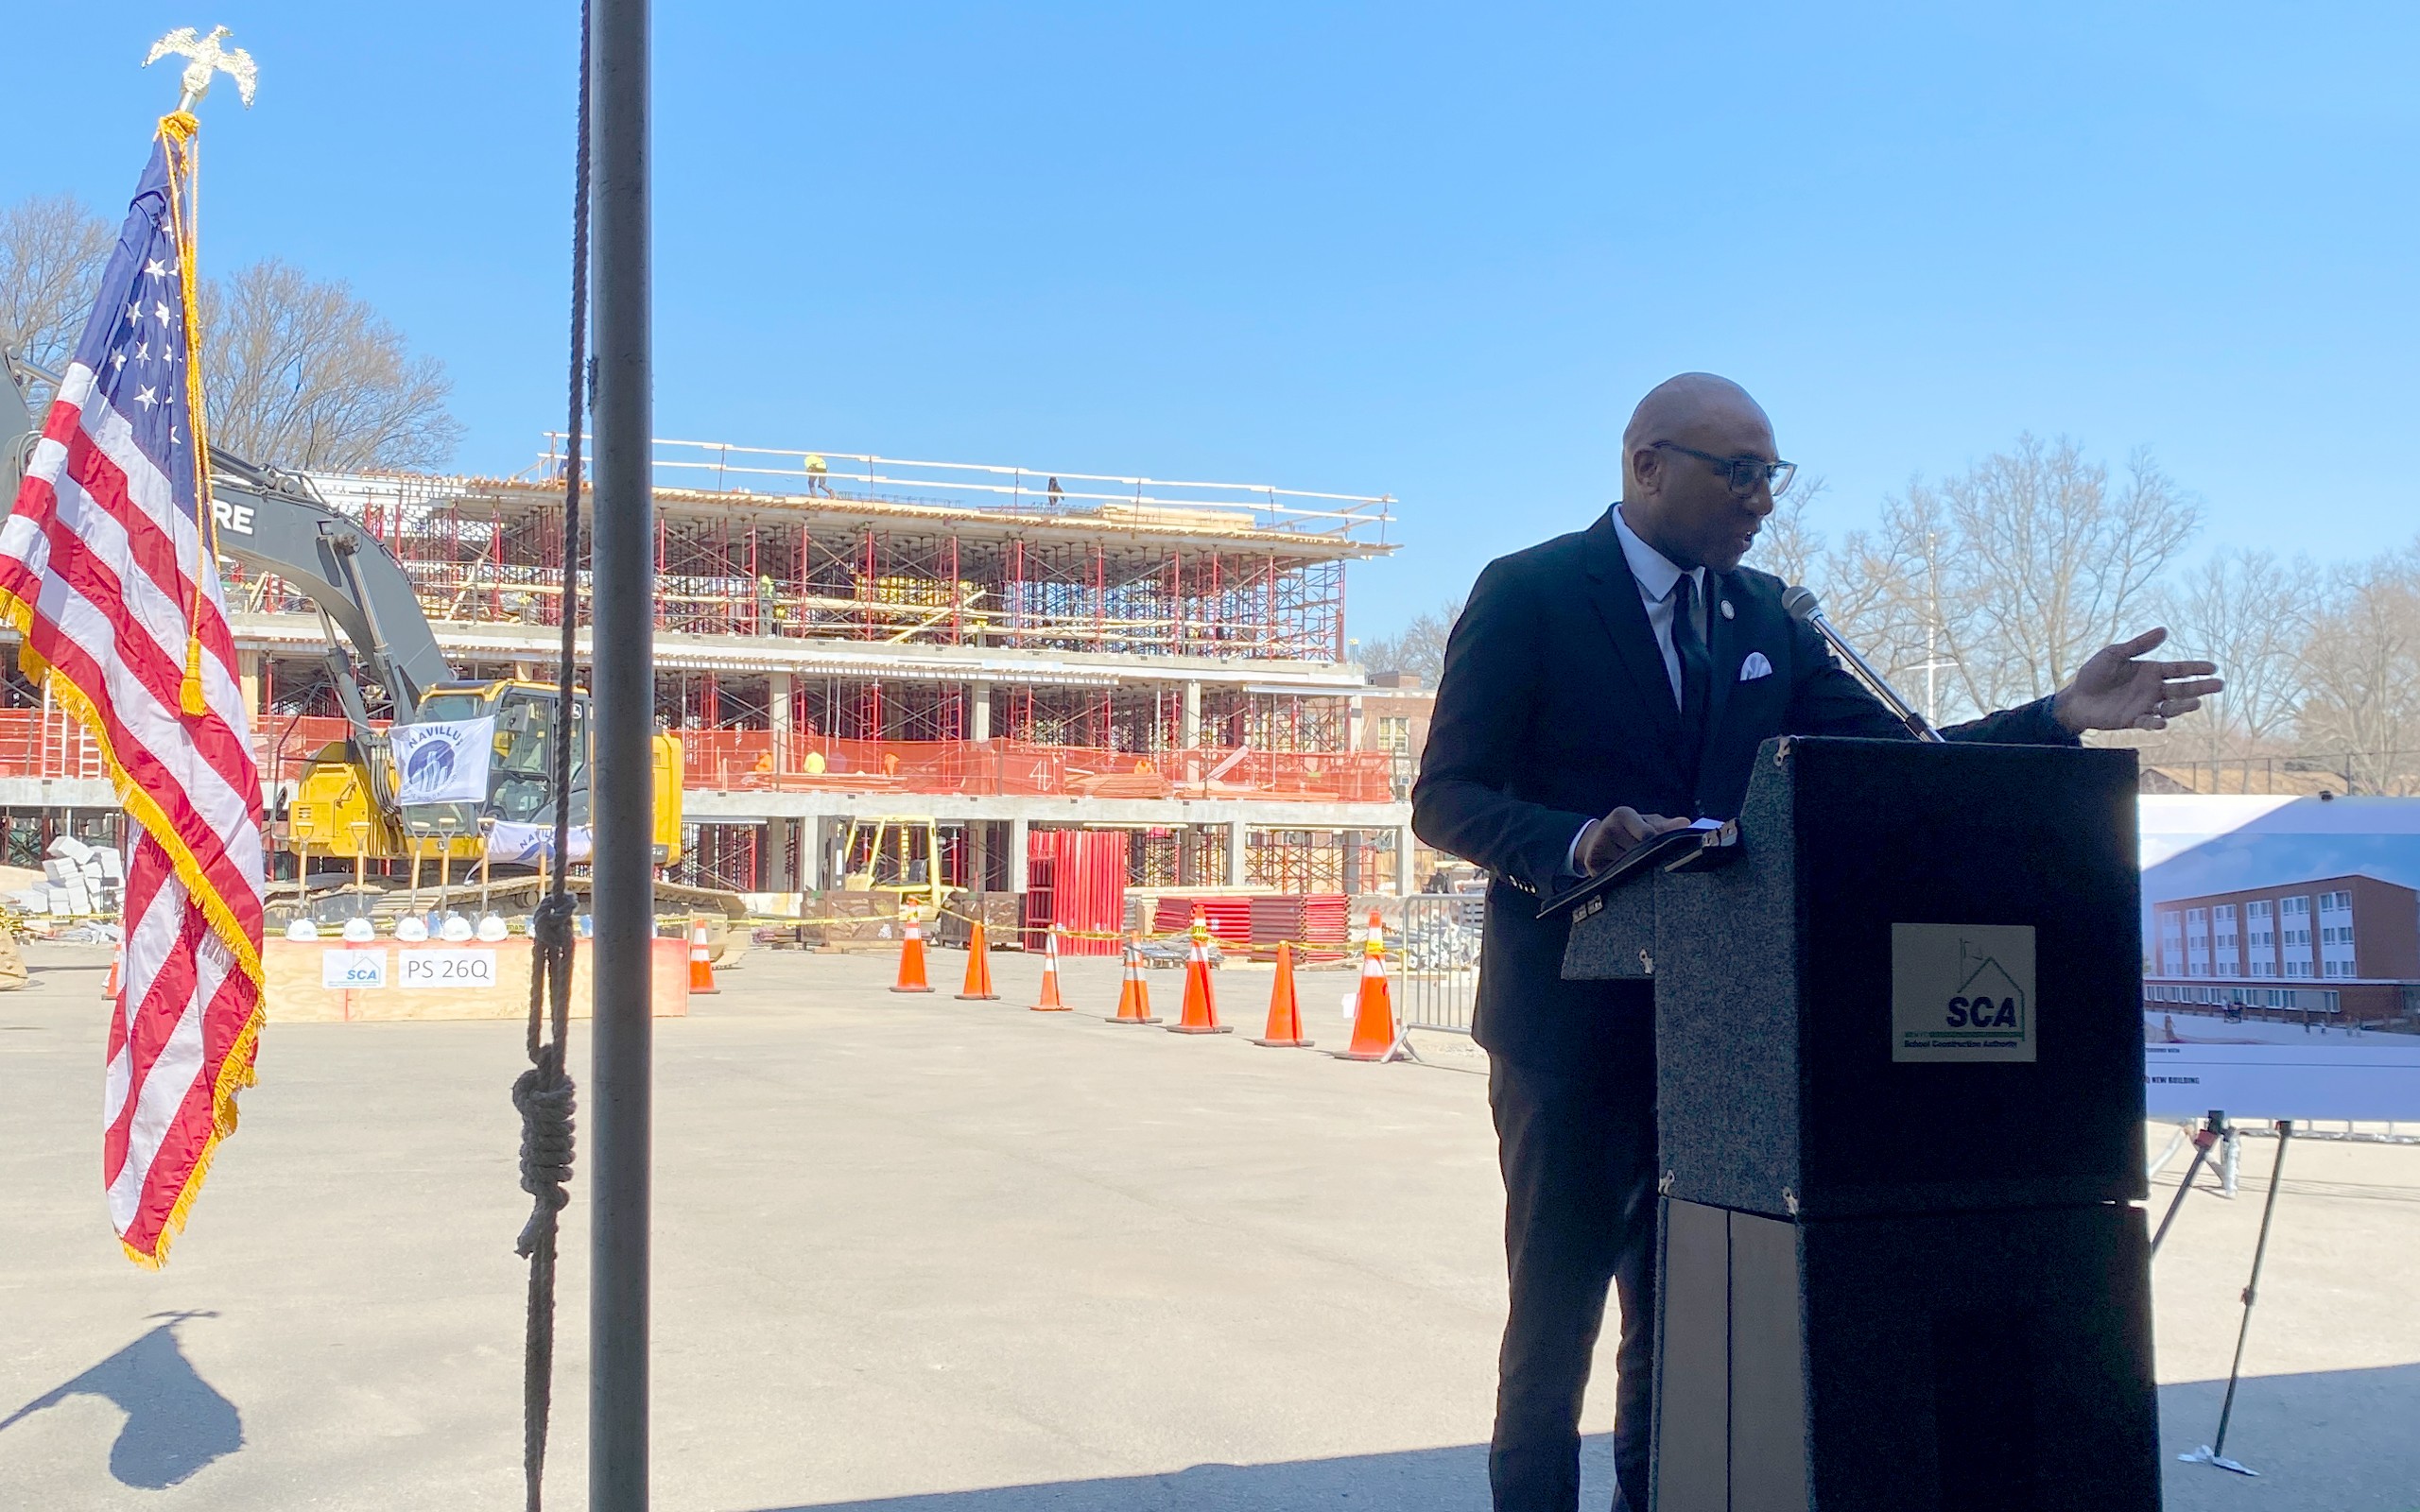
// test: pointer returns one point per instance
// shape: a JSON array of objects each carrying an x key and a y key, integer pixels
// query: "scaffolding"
[
  {"x": 760, "y": 550},
  {"x": 786, "y": 544}
]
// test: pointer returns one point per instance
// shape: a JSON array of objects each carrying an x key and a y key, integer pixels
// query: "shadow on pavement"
[
  {"x": 2328, "y": 1440},
  {"x": 1421, "y": 1480},
  {"x": 175, "y": 1423}
]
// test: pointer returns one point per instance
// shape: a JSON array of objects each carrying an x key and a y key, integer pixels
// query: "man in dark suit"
[{"x": 1598, "y": 689}]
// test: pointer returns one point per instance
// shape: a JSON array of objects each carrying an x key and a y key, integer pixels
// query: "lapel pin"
[{"x": 1726, "y": 608}]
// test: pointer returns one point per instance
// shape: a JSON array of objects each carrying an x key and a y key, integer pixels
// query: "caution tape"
[
  {"x": 1181, "y": 935},
  {"x": 1348, "y": 946}
]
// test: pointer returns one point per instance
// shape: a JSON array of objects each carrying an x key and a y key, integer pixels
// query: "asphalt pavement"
[{"x": 913, "y": 1253}]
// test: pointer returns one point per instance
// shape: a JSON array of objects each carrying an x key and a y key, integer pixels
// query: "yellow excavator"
[{"x": 345, "y": 803}]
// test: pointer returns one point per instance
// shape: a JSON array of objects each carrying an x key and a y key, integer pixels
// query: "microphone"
[{"x": 1801, "y": 604}]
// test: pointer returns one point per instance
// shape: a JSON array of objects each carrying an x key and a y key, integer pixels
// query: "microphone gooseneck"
[{"x": 1800, "y": 603}]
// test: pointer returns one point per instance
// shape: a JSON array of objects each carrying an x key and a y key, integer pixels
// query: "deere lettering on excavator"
[{"x": 343, "y": 806}]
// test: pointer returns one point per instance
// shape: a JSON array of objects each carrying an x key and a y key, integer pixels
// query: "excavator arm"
[{"x": 272, "y": 522}]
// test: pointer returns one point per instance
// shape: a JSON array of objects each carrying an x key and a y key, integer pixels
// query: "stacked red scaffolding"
[
  {"x": 1229, "y": 915},
  {"x": 1315, "y": 923}
]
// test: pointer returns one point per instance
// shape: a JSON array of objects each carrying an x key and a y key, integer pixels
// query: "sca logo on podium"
[{"x": 1961, "y": 992}]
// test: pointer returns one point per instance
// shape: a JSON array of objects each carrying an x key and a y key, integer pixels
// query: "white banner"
[
  {"x": 442, "y": 761},
  {"x": 526, "y": 845},
  {"x": 2281, "y": 958}
]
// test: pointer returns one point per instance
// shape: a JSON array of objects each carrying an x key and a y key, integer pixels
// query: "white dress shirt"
[{"x": 1657, "y": 575}]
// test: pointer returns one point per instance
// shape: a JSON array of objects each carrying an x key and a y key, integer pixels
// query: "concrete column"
[
  {"x": 978, "y": 714},
  {"x": 248, "y": 673},
  {"x": 1235, "y": 852},
  {"x": 1350, "y": 840},
  {"x": 777, "y": 702},
  {"x": 978, "y": 853},
  {"x": 835, "y": 835},
  {"x": 1017, "y": 842},
  {"x": 1404, "y": 881},
  {"x": 1189, "y": 728},
  {"x": 777, "y": 863}
]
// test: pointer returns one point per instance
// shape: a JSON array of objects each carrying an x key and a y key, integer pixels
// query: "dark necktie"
[{"x": 1697, "y": 668}]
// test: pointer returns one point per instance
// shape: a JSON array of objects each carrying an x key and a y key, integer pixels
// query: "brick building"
[{"x": 2346, "y": 948}]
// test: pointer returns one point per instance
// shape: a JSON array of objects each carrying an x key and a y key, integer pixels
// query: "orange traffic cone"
[
  {"x": 109, "y": 988},
  {"x": 911, "y": 955},
  {"x": 702, "y": 967},
  {"x": 1134, "y": 996},
  {"x": 1051, "y": 1001},
  {"x": 1284, "y": 1016},
  {"x": 1374, "y": 1015},
  {"x": 1201, "y": 1014},
  {"x": 978, "y": 987}
]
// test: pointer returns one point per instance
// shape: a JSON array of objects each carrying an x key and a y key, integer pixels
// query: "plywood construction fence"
[{"x": 332, "y": 981}]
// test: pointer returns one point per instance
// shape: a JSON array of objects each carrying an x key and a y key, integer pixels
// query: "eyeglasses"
[{"x": 1742, "y": 472}]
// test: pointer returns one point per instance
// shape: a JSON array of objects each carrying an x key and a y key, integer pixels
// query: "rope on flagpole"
[{"x": 544, "y": 1093}]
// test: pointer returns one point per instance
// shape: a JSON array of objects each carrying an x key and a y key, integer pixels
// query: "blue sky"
[{"x": 1433, "y": 252}]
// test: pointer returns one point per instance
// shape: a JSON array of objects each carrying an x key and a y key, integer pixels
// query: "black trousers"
[{"x": 1578, "y": 1149}]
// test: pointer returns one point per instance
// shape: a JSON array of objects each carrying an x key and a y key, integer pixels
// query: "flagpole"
[{"x": 623, "y": 669}]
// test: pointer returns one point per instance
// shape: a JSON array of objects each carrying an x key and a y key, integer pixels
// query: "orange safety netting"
[
  {"x": 752, "y": 759},
  {"x": 40, "y": 743}
]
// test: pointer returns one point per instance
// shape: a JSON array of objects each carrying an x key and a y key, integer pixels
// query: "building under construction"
[{"x": 845, "y": 637}]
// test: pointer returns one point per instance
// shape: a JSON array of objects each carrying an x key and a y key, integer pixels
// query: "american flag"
[{"x": 106, "y": 572}]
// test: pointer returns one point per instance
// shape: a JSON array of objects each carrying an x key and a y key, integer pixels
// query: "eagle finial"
[{"x": 207, "y": 58}]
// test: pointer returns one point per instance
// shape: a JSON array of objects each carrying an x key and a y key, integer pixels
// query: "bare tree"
[
  {"x": 1991, "y": 588},
  {"x": 2046, "y": 561},
  {"x": 301, "y": 374},
  {"x": 1788, "y": 545},
  {"x": 1418, "y": 647},
  {"x": 2251, "y": 614},
  {"x": 2361, "y": 711},
  {"x": 1879, "y": 586},
  {"x": 52, "y": 249}
]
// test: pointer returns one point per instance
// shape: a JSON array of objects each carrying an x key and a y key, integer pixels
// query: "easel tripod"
[{"x": 2213, "y": 1132}]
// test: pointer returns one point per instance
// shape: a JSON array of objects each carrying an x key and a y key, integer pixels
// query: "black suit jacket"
[{"x": 1554, "y": 708}]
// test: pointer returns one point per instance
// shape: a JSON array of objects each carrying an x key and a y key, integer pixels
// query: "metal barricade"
[{"x": 1437, "y": 982}]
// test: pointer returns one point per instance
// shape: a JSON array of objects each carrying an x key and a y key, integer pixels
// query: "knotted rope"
[{"x": 544, "y": 1093}]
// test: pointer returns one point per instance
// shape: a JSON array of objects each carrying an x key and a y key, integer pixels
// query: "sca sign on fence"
[{"x": 352, "y": 970}]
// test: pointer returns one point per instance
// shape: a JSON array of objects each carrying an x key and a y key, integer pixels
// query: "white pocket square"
[{"x": 1754, "y": 667}]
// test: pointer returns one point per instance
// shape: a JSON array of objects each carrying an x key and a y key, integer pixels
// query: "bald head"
[
  {"x": 1676, "y": 491},
  {"x": 1691, "y": 405}
]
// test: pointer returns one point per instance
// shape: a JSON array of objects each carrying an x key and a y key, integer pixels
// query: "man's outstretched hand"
[{"x": 2117, "y": 691}]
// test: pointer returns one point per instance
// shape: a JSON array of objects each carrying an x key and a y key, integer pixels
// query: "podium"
[{"x": 1903, "y": 1266}]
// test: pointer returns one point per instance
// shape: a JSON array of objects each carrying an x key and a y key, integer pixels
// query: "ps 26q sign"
[{"x": 444, "y": 967}]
